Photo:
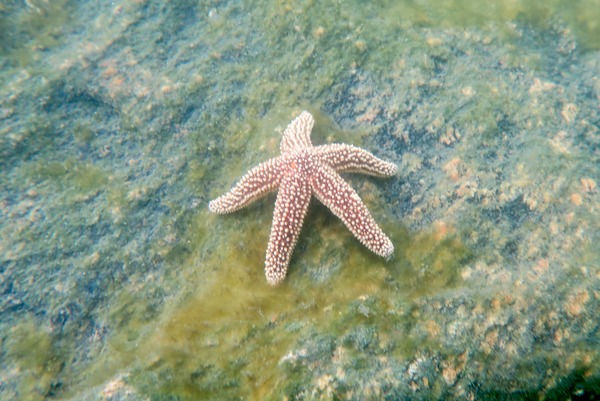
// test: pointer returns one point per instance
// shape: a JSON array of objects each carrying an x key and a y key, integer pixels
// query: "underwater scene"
[{"x": 449, "y": 251}]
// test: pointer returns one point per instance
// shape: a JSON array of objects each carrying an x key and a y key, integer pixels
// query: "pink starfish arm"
[
  {"x": 257, "y": 182},
  {"x": 297, "y": 134},
  {"x": 345, "y": 203},
  {"x": 342, "y": 157},
  {"x": 290, "y": 208}
]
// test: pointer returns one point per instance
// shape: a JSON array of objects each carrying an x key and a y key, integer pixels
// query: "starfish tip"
[{"x": 386, "y": 250}]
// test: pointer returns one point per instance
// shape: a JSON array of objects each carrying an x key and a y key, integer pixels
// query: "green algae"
[
  {"x": 34, "y": 351},
  {"x": 79, "y": 178},
  {"x": 52, "y": 169},
  {"x": 38, "y": 24},
  {"x": 316, "y": 41},
  {"x": 89, "y": 178},
  {"x": 436, "y": 260},
  {"x": 83, "y": 133},
  {"x": 231, "y": 333},
  {"x": 461, "y": 13},
  {"x": 195, "y": 172}
]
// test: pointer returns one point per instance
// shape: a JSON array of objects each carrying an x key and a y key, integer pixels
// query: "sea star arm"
[
  {"x": 297, "y": 134},
  {"x": 290, "y": 208},
  {"x": 345, "y": 203},
  {"x": 257, "y": 182},
  {"x": 343, "y": 157}
]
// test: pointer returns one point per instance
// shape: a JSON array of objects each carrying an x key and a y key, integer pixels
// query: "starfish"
[{"x": 303, "y": 170}]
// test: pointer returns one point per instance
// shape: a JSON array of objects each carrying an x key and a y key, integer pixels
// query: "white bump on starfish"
[{"x": 301, "y": 171}]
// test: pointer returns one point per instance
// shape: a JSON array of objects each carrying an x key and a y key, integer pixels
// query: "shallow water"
[{"x": 120, "y": 121}]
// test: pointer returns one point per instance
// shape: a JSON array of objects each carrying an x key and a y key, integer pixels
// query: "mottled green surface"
[{"x": 120, "y": 121}]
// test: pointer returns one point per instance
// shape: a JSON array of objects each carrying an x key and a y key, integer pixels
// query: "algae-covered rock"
[{"x": 119, "y": 121}]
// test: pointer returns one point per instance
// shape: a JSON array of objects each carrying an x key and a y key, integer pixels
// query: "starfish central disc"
[{"x": 303, "y": 170}]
